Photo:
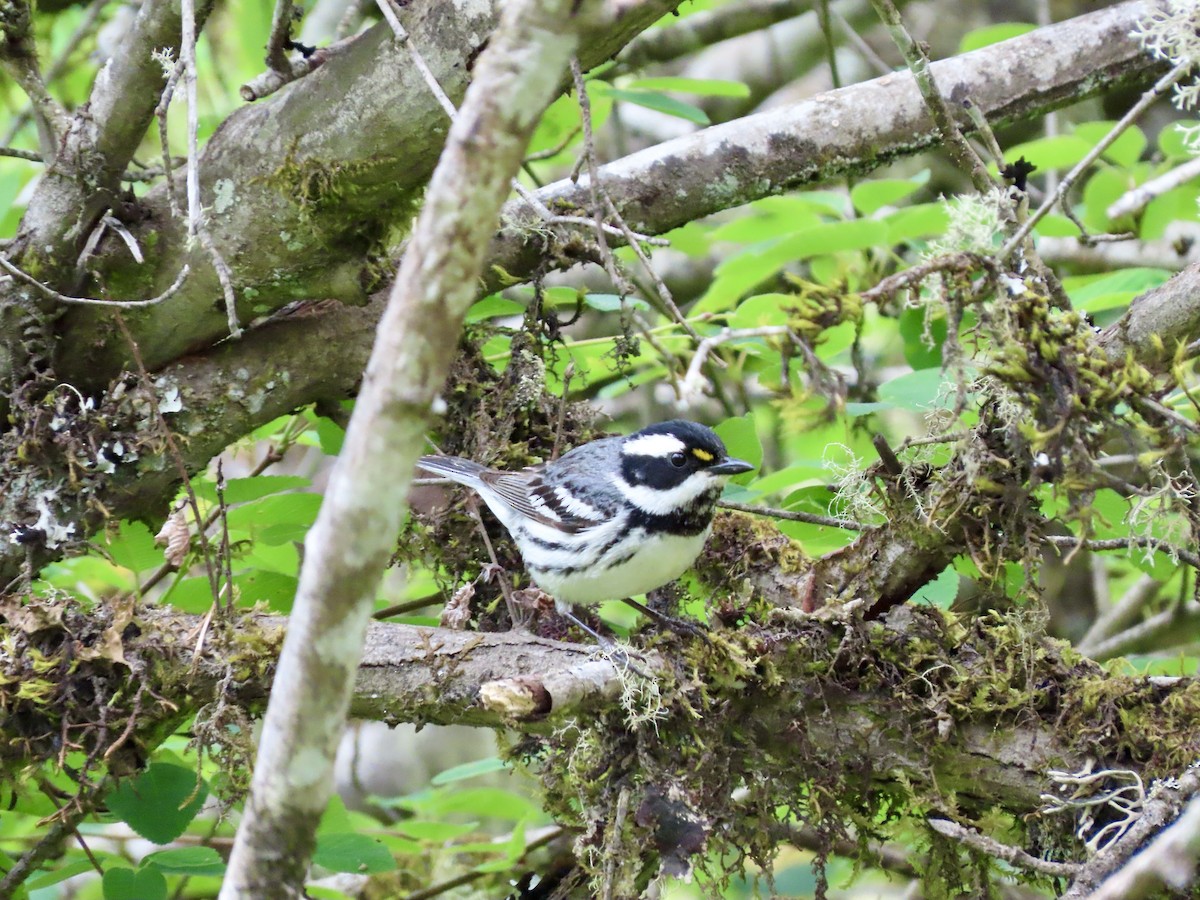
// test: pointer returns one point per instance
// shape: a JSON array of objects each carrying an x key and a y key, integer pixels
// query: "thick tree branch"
[
  {"x": 1001, "y": 706},
  {"x": 83, "y": 180},
  {"x": 1158, "y": 321},
  {"x": 312, "y": 179},
  {"x": 852, "y": 130},
  {"x": 300, "y": 196}
]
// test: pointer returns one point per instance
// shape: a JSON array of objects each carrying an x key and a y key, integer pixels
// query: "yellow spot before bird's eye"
[{"x": 702, "y": 455}]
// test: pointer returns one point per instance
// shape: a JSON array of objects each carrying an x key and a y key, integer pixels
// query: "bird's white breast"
[{"x": 656, "y": 561}]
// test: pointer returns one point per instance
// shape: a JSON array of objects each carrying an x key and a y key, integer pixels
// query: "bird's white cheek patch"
[
  {"x": 663, "y": 502},
  {"x": 661, "y": 445}
]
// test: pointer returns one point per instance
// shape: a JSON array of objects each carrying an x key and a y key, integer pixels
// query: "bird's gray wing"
[{"x": 532, "y": 496}]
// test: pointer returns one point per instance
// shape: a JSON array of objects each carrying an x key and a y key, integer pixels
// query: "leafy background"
[{"x": 163, "y": 832}]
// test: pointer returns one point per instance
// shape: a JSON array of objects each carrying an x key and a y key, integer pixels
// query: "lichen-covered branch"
[
  {"x": 304, "y": 188},
  {"x": 852, "y": 130},
  {"x": 82, "y": 181},
  {"x": 964, "y": 717}
]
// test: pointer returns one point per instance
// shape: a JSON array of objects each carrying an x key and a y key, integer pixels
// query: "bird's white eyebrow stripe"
[{"x": 661, "y": 445}]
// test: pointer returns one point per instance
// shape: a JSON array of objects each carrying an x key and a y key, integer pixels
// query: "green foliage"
[{"x": 160, "y": 803}]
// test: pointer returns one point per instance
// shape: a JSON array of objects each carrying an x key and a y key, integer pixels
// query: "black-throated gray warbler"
[{"x": 612, "y": 518}]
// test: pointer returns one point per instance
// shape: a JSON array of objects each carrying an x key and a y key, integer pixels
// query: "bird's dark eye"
[{"x": 678, "y": 459}]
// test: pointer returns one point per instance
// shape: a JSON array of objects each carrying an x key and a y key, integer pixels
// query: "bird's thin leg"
[
  {"x": 608, "y": 645},
  {"x": 677, "y": 625}
]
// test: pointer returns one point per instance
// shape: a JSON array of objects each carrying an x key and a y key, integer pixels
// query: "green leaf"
[
  {"x": 160, "y": 803},
  {"x": 993, "y": 34},
  {"x": 133, "y": 547},
  {"x": 1094, "y": 294},
  {"x": 243, "y": 490},
  {"x": 661, "y": 103},
  {"x": 481, "y": 802},
  {"x": 1126, "y": 150},
  {"x": 787, "y": 479},
  {"x": 127, "y": 884},
  {"x": 751, "y": 267},
  {"x": 914, "y": 330},
  {"x": 941, "y": 591},
  {"x": 275, "y": 588},
  {"x": 62, "y": 873},
  {"x": 1055, "y": 225},
  {"x": 1059, "y": 152},
  {"x": 612, "y": 302},
  {"x": 469, "y": 770},
  {"x": 920, "y": 391},
  {"x": 352, "y": 852},
  {"x": 704, "y": 87},
  {"x": 437, "y": 832},
  {"x": 834, "y": 237},
  {"x": 869, "y": 196},
  {"x": 331, "y": 435},
  {"x": 762, "y": 310},
  {"x": 192, "y": 595},
  {"x": 1165, "y": 210},
  {"x": 277, "y": 518},
  {"x": 513, "y": 849},
  {"x": 493, "y": 306},
  {"x": 187, "y": 861},
  {"x": 1099, "y": 193},
  {"x": 1170, "y": 142},
  {"x": 924, "y": 220}
]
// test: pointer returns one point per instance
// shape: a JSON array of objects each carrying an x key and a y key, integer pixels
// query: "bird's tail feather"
[{"x": 464, "y": 471}]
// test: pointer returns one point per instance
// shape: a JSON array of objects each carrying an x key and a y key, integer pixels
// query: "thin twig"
[
  {"x": 60, "y": 63},
  {"x": 1137, "y": 199},
  {"x": 1014, "y": 855},
  {"x": 281, "y": 31},
  {"x": 918, "y": 63},
  {"x": 402, "y": 36},
  {"x": 160, "y": 113},
  {"x": 273, "y": 455},
  {"x": 589, "y": 157},
  {"x": 409, "y": 606},
  {"x": 912, "y": 277},
  {"x": 21, "y": 154},
  {"x": 56, "y": 835},
  {"x": 724, "y": 336},
  {"x": 1149, "y": 543},
  {"x": 551, "y": 152},
  {"x": 225, "y": 553},
  {"x": 172, "y": 444},
  {"x": 792, "y": 515},
  {"x": 197, "y": 229},
  {"x": 608, "y": 229},
  {"x": 52, "y": 294},
  {"x": 1059, "y": 195},
  {"x": 664, "y": 293},
  {"x": 865, "y": 50},
  {"x": 442, "y": 887}
]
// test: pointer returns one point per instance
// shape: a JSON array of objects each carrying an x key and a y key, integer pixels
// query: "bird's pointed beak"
[{"x": 730, "y": 466}]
